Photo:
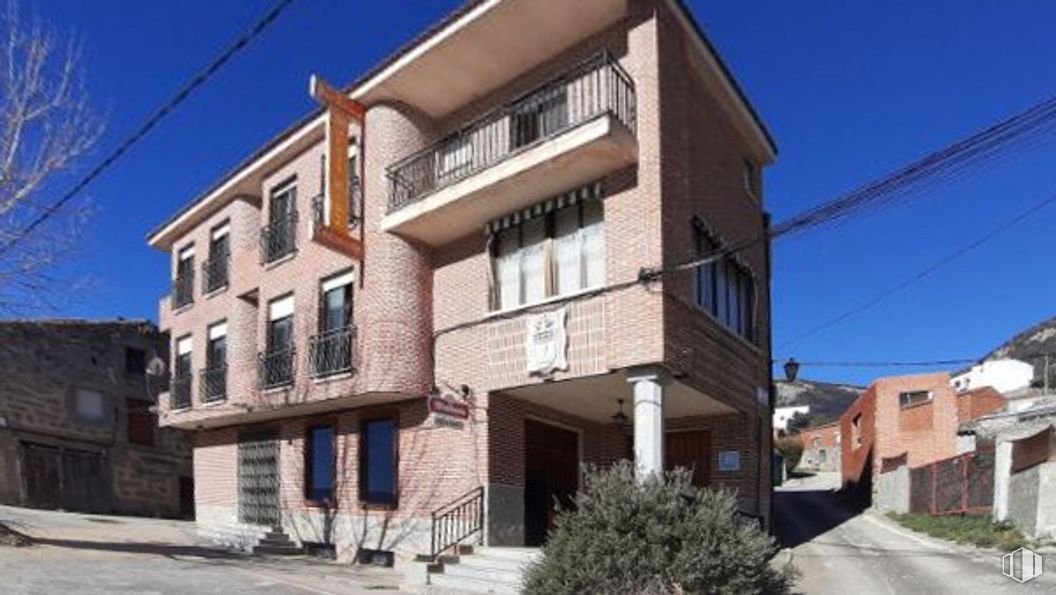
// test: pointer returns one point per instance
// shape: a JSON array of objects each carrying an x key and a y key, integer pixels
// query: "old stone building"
[{"x": 78, "y": 428}]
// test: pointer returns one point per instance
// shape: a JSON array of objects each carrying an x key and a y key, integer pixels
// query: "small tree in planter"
[{"x": 662, "y": 535}]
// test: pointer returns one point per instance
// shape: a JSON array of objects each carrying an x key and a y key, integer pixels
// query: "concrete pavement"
[{"x": 839, "y": 550}]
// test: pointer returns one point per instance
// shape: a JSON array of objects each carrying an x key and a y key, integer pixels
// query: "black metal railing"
[
  {"x": 278, "y": 239},
  {"x": 183, "y": 289},
  {"x": 597, "y": 87},
  {"x": 180, "y": 392},
  {"x": 457, "y": 521},
  {"x": 212, "y": 383},
  {"x": 215, "y": 272},
  {"x": 354, "y": 193},
  {"x": 276, "y": 368},
  {"x": 330, "y": 353}
]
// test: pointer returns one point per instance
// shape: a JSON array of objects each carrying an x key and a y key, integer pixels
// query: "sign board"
[
  {"x": 730, "y": 460},
  {"x": 448, "y": 407},
  {"x": 545, "y": 342}
]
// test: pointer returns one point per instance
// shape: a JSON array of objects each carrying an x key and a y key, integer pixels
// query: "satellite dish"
[{"x": 156, "y": 366}]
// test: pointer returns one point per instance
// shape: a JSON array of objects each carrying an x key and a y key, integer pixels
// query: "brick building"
[
  {"x": 429, "y": 294},
  {"x": 821, "y": 447},
  {"x": 77, "y": 429}
]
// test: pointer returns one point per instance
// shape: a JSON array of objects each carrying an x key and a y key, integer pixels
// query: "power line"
[
  {"x": 184, "y": 92},
  {"x": 953, "y": 256},
  {"x": 865, "y": 364}
]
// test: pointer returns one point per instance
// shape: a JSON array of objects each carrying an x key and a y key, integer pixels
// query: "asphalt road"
[{"x": 839, "y": 550}]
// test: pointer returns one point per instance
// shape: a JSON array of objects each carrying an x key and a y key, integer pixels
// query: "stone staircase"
[
  {"x": 254, "y": 539},
  {"x": 481, "y": 569},
  {"x": 277, "y": 543}
]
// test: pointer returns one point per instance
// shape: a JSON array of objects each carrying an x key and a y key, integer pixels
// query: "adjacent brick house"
[
  {"x": 77, "y": 425},
  {"x": 821, "y": 447},
  {"x": 430, "y": 294}
]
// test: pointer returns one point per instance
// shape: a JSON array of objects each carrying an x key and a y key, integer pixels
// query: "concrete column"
[
  {"x": 1002, "y": 476},
  {"x": 648, "y": 384}
]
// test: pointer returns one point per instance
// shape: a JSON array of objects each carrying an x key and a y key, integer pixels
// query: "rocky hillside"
[
  {"x": 1030, "y": 346},
  {"x": 827, "y": 401}
]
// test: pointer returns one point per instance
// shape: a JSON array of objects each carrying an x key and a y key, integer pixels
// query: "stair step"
[
  {"x": 472, "y": 585},
  {"x": 279, "y": 550},
  {"x": 277, "y": 535},
  {"x": 270, "y": 541},
  {"x": 511, "y": 576},
  {"x": 496, "y": 564}
]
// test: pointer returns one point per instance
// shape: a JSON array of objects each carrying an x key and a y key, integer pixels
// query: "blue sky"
[{"x": 851, "y": 90}]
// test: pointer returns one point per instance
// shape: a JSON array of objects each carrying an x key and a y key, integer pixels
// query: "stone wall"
[{"x": 892, "y": 491}]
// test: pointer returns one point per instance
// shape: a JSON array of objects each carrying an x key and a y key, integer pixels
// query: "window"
[
  {"x": 283, "y": 202},
  {"x": 135, "y": 360},
  {"x": 214, "y": 377},
  {"x": 141, "y": 422},
  {"x": 183, "y": 284},
  {"x": 331, "y": 349},
  {"x": 320, "y": 464},
  {"x": 89, "y": 405},
  {"x": 556, "y": 253},
  {"x": 856, "y": 431},
  {"x": 216, "y": 269},
  {"x": 377, "y": 462},
  {"x": 279, "y": 238},
  {"x": 540, "y": 116},
  {"x": 181, "y": 374},
  {"x": 725, "y": 288},
  {"x": 277, "y": 361},
  {"x": 454, "y": 158},
  {"x": 911, "y": 398}
]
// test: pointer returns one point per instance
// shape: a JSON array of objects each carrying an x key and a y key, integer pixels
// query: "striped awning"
[{"x": 589, "y": 192}]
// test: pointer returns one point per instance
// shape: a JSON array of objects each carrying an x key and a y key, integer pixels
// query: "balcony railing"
[
  {"x": 595, "y": 88},
  {"x": 212, "y": 383},
  {"x": 183, "y": 289},
  {"x": 354, "y": 194},
  {"x": 215, "y": 272},
  {"x": 180, "y": 392},
  {"x": 331, "y": 352},
  {"x": 276, "y": 368},
  {"x": 278, "y": 239}
]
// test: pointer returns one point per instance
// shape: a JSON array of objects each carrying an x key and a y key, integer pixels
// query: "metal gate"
[
  {"x": 84, "y": 481},
  {"x": 41, "y": 476},
  {"x": 258, "y": 480},
  {"x": 63, "y": 478}
]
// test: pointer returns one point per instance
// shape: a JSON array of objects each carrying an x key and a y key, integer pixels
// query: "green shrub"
[
  {"x": 791, "y": 449},
  {"x": 660, "y": 536}
]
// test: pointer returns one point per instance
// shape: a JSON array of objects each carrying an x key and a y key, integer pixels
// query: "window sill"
[
  {"x": 279, "y": 261},
  {"x": 276, "y": 389},
  {"x": 183, "y": 308},
  {"x": 333, "y": 377},
  {"x": 915, "y": 405},
  {"x": 729, "y": 331},
  {"x": 547, "y": 302},
  {"x": 375, "y": 507},
  {"x": 214, "y": 402},
  {"x": 184, "y": 409},
  {"x": 218, "y": 291}
]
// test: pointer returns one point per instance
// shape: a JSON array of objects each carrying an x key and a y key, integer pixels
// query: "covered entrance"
[
  {"x": 258, "y": 479},
  {"x": 551, "y": 469},
  {"x": 692, "y": 450}
]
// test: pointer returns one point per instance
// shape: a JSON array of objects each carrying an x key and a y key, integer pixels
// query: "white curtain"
[
  {"x": 567, "y": 251},
  {"x": 508, "y": 269},
  {"x": 593, "y": 233},
  {"x": 533, "y": 261}
]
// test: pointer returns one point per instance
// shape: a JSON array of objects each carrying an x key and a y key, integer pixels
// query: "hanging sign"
[
  {"x": 545, "y": 342},
  {"x": 448, "y": 407}
]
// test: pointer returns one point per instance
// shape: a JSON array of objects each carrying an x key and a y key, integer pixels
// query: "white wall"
[
  {"x": 783, "y": 414},
  {"x": 1002, "y": 374}
]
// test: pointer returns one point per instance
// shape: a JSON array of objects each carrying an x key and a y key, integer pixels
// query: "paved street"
[
  {"x": 101, "y": 554},
  {"x": 839, "y": 551}
]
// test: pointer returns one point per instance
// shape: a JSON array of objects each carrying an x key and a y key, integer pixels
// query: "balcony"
[
  {"x": 212, "y": 384},
  {"x": 275, "y": 368},
  {"x": 279, "y": 239},
  {"x": 183, "y": 289},
  {"x": 180, "y": 392},
  {"x": 215, "y": 272},
  {"x": 355, "y": 190},
  {"x": 571, "y": 131},
  {"x": 330, "y": 353}
]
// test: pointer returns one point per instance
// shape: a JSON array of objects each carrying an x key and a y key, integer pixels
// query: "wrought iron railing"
[
  {"x": 183, "y": 289},
  {"x": 354, "y": 193},
  {"x": 457, "y": 521},
  {"x": 278, "y": 239},
  {"x": 180, "y": 392},
  {"x": 215, "y": 272},
  {"x": 597, "y": 87},
  {"x": 212, "y": 383},
  {"x": 276, "y": 368},
  {"x": 331, "y": 352}
]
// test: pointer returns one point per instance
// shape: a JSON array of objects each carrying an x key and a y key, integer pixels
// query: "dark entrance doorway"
[
  {"x": 551, "y": 469},
  {"x": 691, "y": 450},
  {"x": 69, "y": 479},
  {"x": 187, "y": 498},
  {"x": 258, "y": 479}
]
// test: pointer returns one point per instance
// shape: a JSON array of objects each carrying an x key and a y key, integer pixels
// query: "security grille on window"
[
  {"x": 276, "y": 364},
  {"x": 214, "y": 376},
  {"x": 909, "y": 399},
  {"x": 725, "y": 287},
  {"x": 552, "y": 249},
  {"x": 331, "y": 348}
]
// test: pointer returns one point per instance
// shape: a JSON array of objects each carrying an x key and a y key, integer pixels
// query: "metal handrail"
[
  {"x": 456, "y": 521},
  {"x": 354, "y": 192},
  {"x": 276, "y": 368},
  {"x": 212, "y": 383},
  {"x": 180, "y": 392},
  {"x": 183, "y": 289},
  {"x": 332, "y": 352},
  {"x": 279, "y": 238},
  {"x": 215, "y": 272},
  {"x": 597, "y": 87}
]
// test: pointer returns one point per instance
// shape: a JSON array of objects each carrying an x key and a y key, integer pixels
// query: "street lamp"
[{"x": 791, "y": 369}]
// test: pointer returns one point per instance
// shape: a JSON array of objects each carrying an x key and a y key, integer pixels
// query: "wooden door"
[
  {"x": 691, "y": 450},
  {"x": 551, "y": 477}
]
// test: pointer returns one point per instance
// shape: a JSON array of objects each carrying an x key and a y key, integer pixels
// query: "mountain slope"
[
  {"x": 826, "y": 400},
  {"x": 1030, "y": 346}
]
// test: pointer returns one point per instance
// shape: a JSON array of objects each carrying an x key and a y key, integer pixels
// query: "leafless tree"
[{"x": 46, "y": 127}]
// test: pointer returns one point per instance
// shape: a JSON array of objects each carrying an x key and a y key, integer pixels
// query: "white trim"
[
  {"x": 218, "y": 330},
  {"x": 280, "y": 308},
  {"x": 186, "y": 253},
  {"x": 184, "y": 345},
  {"x": 221, "y": 231},
  {"x": 339, "y": 281}
]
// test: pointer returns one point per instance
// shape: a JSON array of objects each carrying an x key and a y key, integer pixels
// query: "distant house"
[
  {"x": 783, "y": 414},
  {"x": 78, "y": 429},
  {"x": 1003, "y": 375},
  {"x": 821, "y": 447}
]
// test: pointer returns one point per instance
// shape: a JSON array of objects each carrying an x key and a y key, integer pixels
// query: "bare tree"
[{"x": 46, "y": 127}]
